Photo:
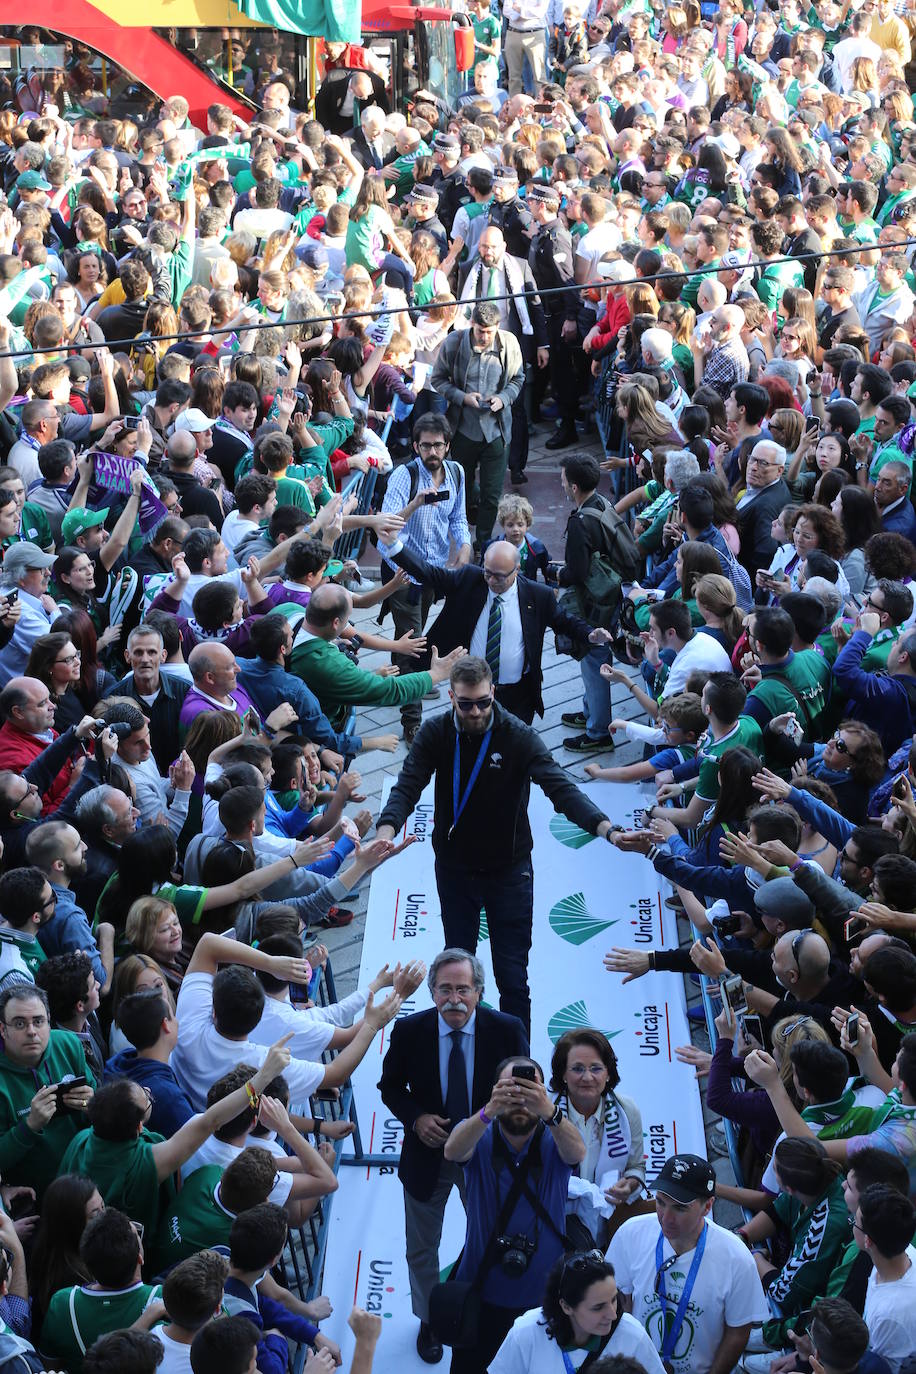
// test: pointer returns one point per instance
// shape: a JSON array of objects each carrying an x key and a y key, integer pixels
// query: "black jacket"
[
  {"x": 493, "y": 832},
  {"x": 465, "y": 592},
  {"x": 754, "y": 521},
  {"x": 162, "y": 715},
  {"x": 410, "y": 1084},
  {"x": 123, "y": 322},
  {"x": 197, "y": 499}
]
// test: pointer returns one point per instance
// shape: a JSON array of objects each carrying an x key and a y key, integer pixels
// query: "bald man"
[
  {"x": 502, "y": 617},
  {"x": 214, "y": 673}
]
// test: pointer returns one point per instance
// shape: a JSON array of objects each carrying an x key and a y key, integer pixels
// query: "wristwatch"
[{"x": 556, "y": 1118}]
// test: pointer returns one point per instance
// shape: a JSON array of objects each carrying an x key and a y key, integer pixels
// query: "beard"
[
  {"x": 518, "y": 1121},
  {"x": 475, "y": 724}
]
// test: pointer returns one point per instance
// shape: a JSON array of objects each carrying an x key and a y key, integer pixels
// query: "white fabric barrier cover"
[{"x": 587, "y": 897}]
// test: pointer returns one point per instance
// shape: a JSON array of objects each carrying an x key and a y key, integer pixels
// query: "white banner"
[{"x": 587, "y": 897}]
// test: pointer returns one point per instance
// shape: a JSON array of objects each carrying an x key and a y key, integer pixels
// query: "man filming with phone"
[
  {"x": 429, "y": 493},
  {"x": 518, "y": 1149}
]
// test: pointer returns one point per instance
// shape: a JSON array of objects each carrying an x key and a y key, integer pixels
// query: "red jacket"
[
  {"x": 18, "y": 750},
  {"x": 616, "y": 315}
]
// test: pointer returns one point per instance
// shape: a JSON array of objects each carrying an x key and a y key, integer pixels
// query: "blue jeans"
[
  {"x": 506, "y": 897},
  {"x": 596, "y": 704}
]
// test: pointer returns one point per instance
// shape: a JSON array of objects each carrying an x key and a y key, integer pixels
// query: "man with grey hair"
[
  {"x": 479, "y": 372},
  {"x": 892, "y": 486},
  {"x": 28, "y": 569},
  {"x": 106, "y": 817},
  {"x": 160, "y": 696},
  {"x": 438, "y": 1070},
  {"x": 766, "y": 495}
]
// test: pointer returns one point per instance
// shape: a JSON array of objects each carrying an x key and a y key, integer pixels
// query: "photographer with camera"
[{"x": 518, "y": 1154}]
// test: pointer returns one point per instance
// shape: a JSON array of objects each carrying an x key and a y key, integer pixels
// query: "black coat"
[
  {"x": 410, "y": 1083},
  {"x": 359, "y": 146},
  {"x": 754, "y": 521},
  {"x": 465, "y": 592}
]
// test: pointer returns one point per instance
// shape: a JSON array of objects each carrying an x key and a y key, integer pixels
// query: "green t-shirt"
[
  {"x": 776, "y": 278},
  {"x": 195, "y": 1221},
  {"x": 77, "y": 1317},
  {"x": 187, "y": 900},
  {"x": 181, "y": 267},
  {"x": 889, "y": 453},
  {"x": 124, "y": 1171},
  {"x": 876, "y": 656},
  {"x": 31, "y": 952},
  {"x": 486, "y": 30},
  {"x": 33, "y": 528},
  {"x": 810, "y": 677},
  {"x": 745, "y": 733},
  {"x": 365, "y": 245}
]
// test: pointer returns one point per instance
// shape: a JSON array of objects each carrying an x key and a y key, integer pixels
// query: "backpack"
[
  {"x": 614, "y": 560},
  {"x": 451, "y": 467},
  {"x": 739, "y": 577}
]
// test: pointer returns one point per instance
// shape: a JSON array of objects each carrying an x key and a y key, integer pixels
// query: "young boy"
[
  {"x": 682, "y": 722},
  {"x": 516, "y": 515}
]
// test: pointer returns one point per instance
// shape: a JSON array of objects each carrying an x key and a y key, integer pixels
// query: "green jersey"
[
  {"x": 818, "y": 1234},
  {"x": 77, "y": 1317},
  {"x": 876, "y": 656},
  {"x": 196, "y": 1220},
  {"x": 745, "y": 733},
  {"x": 801, "y": 684},
  {"x": 31, "y": 952},
  {"x": 125, "y": 1173},
  {"x": 776, "y": 278}
]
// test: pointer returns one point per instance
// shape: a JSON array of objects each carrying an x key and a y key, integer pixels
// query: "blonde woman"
[
  {"x": 717, "y": 603},
  {"x": 153, "y": 929}
]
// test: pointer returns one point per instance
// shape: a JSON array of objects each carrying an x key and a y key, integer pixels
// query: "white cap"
[{"x": 194, "y": 420}]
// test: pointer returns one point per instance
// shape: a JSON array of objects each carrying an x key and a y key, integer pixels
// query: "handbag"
[{"x": 454, "y": 1306}]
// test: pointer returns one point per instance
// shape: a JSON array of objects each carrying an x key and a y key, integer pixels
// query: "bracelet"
[
  {"x": 293, "y": 861},
  {"x": 484, "y": 1118}
]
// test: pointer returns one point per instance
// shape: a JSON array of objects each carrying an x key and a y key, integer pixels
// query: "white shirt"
[
  {"x": 198, "y": 580},
  {"x": 220, "y": 1152},
  {"x": 153, "y": 794},
  {"x": 311, "y": 1035},
  {"x": 727, "y": 1290},
  {"x": 202, "y": 1055},
  {"x": 511, "y": 642},
  {"x": 890, "y": 1314},
  {"x": 236, "y": 528},
  {"x": 845, "y": 54},
  {"x": 177, "y": 1358},
  {"x": 604, "y": 238},
  {"x": 702, "y": 651},
  {"x": 529, "y": 1350}
]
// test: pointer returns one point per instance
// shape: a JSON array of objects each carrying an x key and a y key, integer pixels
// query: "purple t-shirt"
[{"x": 195, "y": 703}]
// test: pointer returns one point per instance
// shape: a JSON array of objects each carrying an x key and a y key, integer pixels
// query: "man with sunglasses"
[
  {"x": 691, "y": 1283},
  {"x": 484, "y": 760}
]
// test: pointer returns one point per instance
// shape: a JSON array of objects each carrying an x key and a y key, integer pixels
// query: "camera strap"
[
  {"x": 519, "y": 1185},
  {"x": 534, "y": 1202}
]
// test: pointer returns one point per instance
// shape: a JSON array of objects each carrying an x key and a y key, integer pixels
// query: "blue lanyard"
[
  {"x": 672, "y": 1333},
  {"x": 458, "y": 806}
]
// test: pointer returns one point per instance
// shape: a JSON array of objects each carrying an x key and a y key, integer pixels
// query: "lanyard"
[
  {"x": 672, "y": 1333},
  {"x": 458, "y": 806}
]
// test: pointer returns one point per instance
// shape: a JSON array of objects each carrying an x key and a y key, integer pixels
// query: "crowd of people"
[{"x": 234, "y": 351}]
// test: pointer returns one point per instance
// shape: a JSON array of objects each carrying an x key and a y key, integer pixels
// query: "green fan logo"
[
  {"x": 573, "y": 1017},
  {"x": 572, "y": 920},
  {"x": 568, "y": 833}
]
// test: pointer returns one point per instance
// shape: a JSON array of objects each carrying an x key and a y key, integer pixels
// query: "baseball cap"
[
  {"x": 80, "y": 520},
  {"x": 194, "y": 420},
  {"x": 79, "y": 369},
  {"x": 782, "y": 900},
  {"x": 617, "y": 271},
  {"x": 32, "y": 181},
  {"x": 686, "y": 1178},
  {"x": 728, "y": 144},
  {"x": 24, "y": 558},
  {"x": 313, "y": 255}
]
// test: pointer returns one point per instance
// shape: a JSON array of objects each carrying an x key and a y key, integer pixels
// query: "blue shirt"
[
  {"x": 269, "y": 685},
  {"x": 877, "y": 699},
  {"x": 426, "y": 534},
  {"x": 69, "y": 929},
  {"x": 487, "y": 1190}
]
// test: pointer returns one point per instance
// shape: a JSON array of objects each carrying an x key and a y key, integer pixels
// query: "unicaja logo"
[
  {"x": 573, "y": 922},
  {"x": 568, "y": 833},
  {"x": 574, "y": 1016}
]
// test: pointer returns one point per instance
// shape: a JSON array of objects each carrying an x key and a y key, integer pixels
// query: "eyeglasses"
[
  {"x": 149, "y": 1094},
  {"x": 798, "y": 941},
  {"x": 492, "y": 576},
  {"x": 69, "y": 659},
  {"x": 840, "y": 744},
  {"x": 468, "y": 704},
  {"x": 432, "y": 448},
  {"x": 446, "y": 990},
  {"x": 52, "y": 900},
  {"x": 21, "y": 1023},
  {"x": 580, "y": 1069}
]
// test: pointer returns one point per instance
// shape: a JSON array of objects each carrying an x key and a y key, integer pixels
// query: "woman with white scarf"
[{"x": 584, "y": 1079}]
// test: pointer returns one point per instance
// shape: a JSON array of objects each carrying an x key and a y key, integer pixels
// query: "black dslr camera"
[{"x": 515, "y": 1255}]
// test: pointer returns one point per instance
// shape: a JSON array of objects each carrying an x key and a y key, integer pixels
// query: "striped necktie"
[{"x": 494, "y": 630}]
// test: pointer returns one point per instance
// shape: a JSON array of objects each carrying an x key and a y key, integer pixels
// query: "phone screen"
[
  {"x": 733, "y": 994},
  {"x": 852, "y": 1028}
]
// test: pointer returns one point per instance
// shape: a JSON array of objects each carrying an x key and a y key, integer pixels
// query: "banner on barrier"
[{"x": 588, "y": 896}]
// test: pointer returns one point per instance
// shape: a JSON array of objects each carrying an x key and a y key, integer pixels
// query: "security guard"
[
  {"x": 551, "y": 262},
  {"x": 509, "y": 214},
  {"x": 422, "y": 205},
  {"x": 448, "y": 180}
]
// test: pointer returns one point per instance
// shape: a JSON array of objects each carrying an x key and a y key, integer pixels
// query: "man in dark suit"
[
  {"x": 496, "y": 273},
  {"x": 765, "y": 497},
  {"x": 370, "y": 145},
  {"x": 892, "y": 499},
  {"x": 524, "y": 612},
  {"x": 438, "y": 1070}
]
